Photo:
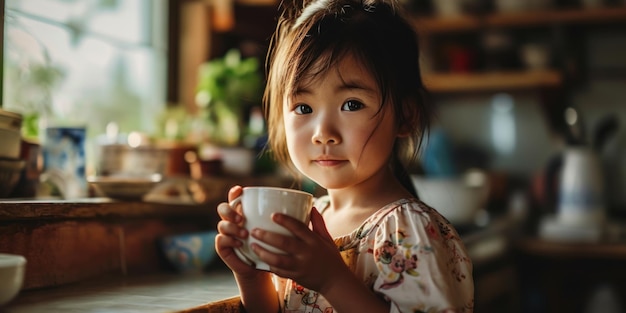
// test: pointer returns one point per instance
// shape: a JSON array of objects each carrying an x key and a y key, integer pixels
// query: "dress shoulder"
[
  {"x": 421, "y": 262},
  {"x": 411, "y": 213}
]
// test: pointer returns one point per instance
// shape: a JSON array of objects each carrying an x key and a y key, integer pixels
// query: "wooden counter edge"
[{"x": 228, "y": 305}]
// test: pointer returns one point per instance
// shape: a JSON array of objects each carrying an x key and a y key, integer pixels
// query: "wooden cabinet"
[{"x": 520, "y": 24}]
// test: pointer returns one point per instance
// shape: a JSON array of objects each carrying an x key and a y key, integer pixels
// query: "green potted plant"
[
  {"x": 229, "y": 93},
  {"x": 228, "y": 87}
]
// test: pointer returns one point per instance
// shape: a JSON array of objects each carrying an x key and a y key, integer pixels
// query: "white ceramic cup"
[{"x": 257, "y": 204}]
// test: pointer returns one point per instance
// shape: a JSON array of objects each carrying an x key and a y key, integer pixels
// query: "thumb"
[{"x": 319, "y": 227}]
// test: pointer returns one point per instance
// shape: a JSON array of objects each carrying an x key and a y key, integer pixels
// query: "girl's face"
[{"x": 335, "y": 133}]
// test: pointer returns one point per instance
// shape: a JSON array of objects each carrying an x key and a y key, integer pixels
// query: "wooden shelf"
[
  {"x": 520, "y": 19},
  {"x": 463, "y": 82},
  {"x": 268, "y": 3},
  {"x": 573, "y": 250}
]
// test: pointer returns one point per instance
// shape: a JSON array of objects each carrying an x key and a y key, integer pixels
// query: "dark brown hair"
[{"x": 311, "y": 40}]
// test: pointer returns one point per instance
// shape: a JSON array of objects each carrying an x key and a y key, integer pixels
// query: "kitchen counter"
[
  {"x": 167, "y": 292},
  {"x": 99, "y": 255},
  {"x": 154, "y": 293},
  {"x": 68, "y": 241}
]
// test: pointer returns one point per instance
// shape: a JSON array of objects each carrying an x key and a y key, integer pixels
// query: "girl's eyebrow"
[
  {"x": 347, "y": 85},
  {"x": 358, "y": 85},
  {"x": 301, "y": 90}
]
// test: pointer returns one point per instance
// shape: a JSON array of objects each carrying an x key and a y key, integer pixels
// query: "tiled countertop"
[{"x": 154, "y": 293}]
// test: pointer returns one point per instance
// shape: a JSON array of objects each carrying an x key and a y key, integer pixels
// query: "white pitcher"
[{"x": 581, "y": 190}]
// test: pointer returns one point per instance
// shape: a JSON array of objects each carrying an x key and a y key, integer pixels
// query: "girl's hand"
[
  {"x": 311, "y": 255},
  {"x": 230, "y": 233}
]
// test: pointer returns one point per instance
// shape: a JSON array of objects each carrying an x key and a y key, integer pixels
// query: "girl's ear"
[
  {"x": 408, "y": 122},
  {"x": 404, "y": 131}
]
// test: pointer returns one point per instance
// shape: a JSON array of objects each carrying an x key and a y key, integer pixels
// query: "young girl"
[{"x": 345, "y": 107}]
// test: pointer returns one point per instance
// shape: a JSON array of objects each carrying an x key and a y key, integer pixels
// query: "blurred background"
[{"x": 531, "y": 100}]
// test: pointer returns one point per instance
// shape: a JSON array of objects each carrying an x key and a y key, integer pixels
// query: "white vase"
[{"x": 237, "y": 161}]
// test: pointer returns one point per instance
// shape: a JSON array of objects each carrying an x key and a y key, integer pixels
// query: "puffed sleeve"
[{"x": 422, "y": 263}]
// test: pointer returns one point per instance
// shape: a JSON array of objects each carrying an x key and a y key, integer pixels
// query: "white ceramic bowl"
[
  {"x": 458, "y": 199},
  {"x": 12, "y": 269},
  {"x": 125, "y": 187}
]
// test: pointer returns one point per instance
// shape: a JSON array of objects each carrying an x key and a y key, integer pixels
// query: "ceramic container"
[
  {"x": 121, "y": 159},
  {"x": 65, "y": 160},
  {"x": 124, "y": 187},
  {"x": 458, "y": 199},
  {"x": 10, "y": 120},
  {"x": 258, "y": 204},
  {"x": 10, "y": 134},
  {"x": 12, "y": 270},
  {"x": 581, "y": 189},
  {"x": 237, "y": 161},
  {"x": 189, "y": 252}
]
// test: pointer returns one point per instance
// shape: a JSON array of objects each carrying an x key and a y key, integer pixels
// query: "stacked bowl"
[{"x": 11, "y": 164}]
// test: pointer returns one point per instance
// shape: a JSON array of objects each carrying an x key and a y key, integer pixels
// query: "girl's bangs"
[{"x": 321, "y": 52}]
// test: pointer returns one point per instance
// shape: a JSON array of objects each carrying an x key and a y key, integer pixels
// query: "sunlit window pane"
[
  {"x": 86, "y": 62},
  {"x": 108, "y": 69},
  {"x": 126, "y": 21}
]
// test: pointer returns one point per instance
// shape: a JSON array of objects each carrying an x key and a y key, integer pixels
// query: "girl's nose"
[{"x": 325, "y": 134}]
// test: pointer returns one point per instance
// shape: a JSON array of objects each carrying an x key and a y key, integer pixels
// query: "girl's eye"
[
  {"x": 302, "y": 109},
  {"x": 352, "y": 105}
]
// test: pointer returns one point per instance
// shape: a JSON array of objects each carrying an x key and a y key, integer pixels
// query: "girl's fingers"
[
  {"x": 290, "y": 244},
  {"x": 283, "y": 242},
  {"x": 273, "y": 259},
  {"x": 234, "y": 192},
  {"x": 225, "y": 245},
  {"x": 319, "y": 227},
  {"x": 231, "y": 229},
  {"x": 223, "y": 241},
  {"x": 296, "y": 227},
  {"x": 226, "y": 212}
]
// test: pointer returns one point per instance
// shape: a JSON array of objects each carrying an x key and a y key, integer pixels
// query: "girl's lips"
[{"x": 328, "y": 162}]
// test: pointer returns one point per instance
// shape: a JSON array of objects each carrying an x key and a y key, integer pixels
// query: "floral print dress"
[{"x": 408, "y": 254}]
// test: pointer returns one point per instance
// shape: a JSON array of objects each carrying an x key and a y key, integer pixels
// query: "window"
[{"x": 86, "y": 62}]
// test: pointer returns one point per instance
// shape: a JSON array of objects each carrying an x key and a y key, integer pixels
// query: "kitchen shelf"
[
  {"x": 615, "y": 250},
  {"x": 519, "y": 19},
  {"x": 472, "y": 82},
  {"x": 268, "y": 3},
  {"x": 508, "y": 80}
]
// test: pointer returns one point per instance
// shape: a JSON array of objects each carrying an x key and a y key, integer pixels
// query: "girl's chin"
[{"x": 328, "y": 183}]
